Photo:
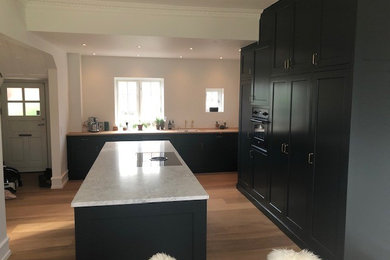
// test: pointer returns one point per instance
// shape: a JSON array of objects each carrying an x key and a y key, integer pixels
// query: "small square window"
[{"x": 214, "y": 100}]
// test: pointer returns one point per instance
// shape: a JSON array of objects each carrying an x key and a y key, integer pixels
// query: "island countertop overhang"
[{"x": 115, "y": 178}]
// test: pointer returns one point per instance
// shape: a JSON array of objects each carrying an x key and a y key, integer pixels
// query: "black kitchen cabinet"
[
  {"x": 261, "y": 85},
  {"x": 332, "y": 94},
  {"x": 202, "y": 152},
  {"x": 279, "y": 144},
  {"x": 266, "y": 28},
  {"x": 247, "y": 61},
  {"x": 260, "y": 164},
  {"x": 284, "y": 26},
  {"x": 310, "y": 34},
  {"x": 245, "y": 176},
  {"x": 300, "y": 145},
  {"x": 304, "y": 189},
  {"x": 335, "y": 33}
]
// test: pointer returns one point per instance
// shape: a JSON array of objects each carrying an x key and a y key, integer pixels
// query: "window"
[
  {"x": 139, "y": 100},
  {"x": 23, "y": 102},
  {"x": 214, "y": 100}
]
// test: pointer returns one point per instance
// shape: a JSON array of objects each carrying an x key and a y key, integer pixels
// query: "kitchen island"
[{"x": 131, "y": 206}]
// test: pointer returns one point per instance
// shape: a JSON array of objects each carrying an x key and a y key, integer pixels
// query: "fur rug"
[
  {"x": 161, "y": 256},
  {"x": 289, "y": 254}
]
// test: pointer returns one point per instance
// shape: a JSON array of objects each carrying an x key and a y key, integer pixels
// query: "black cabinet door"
[
  {"x": 82, "y": 153},
  {"x": 247, "y": 61},
  {"x": 261, "y": 86},
  {"x": 337, "y": 27},
  {"x": 305, "y": 29},
  {"x": 267, "y": 27},
  {"x": 332, "y": 98},
  {"x": 260, "y": 174},
  {"x": 283, "y": 37},
  {"x": 300, "y": 145},
  {"x": 244, "y": 160},
  {"x": 279, "y": 141}
]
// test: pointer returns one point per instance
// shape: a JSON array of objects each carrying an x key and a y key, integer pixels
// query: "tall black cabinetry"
[{"x": 301, "y": 183}]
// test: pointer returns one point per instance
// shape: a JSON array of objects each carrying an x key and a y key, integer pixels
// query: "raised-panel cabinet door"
[
  {"x": 247, "y": 61},
  {"x": 301, "y": 143},
  {"x": 336, "y": 34},
  {"x": 279, "y": 144},
  {"x": 261, "y": 86},
  {"x": 283, "y": 38},
  {"x": 260, "y": 174},
  {"x": 306, "y": 27},
  {"x": 332, "y": 98},
  {"x": 244, "y": 160},
  {"x": 267, "y": 27}
]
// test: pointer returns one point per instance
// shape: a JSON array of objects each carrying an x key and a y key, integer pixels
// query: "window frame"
[
  {"x": 139, "y": 93},
  {"x": 221, "y": 97}
]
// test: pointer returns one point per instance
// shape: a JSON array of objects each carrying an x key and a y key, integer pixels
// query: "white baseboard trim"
[
  {"x": 4, "y": 249},
  {"x": 59, "y": 182}
]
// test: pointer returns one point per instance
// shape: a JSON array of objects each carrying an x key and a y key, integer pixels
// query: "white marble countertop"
[{"x": 115, "y": 179}]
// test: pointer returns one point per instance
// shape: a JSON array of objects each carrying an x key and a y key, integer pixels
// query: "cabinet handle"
[
  {"x": 310, "y": 158},
  {"x": 285, "y": 64},
  {"x": 286, "y": 148},
  {"x": 282, "y": 148},
  {"x": 314, "y": 59}
]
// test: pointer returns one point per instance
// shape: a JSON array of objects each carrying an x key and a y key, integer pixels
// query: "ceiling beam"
[{"x": 124, "y": 18}]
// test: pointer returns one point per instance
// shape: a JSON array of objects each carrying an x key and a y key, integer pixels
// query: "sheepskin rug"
[
  {"x": 161, "y": 256},
  {"x": 289, "y": 254}
]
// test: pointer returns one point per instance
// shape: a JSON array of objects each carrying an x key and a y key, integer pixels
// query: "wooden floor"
[{"x": 40, "y": 222}]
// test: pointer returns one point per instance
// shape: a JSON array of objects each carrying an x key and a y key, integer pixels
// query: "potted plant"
[
  {"x": 160, "y": 123},
  {"x": 140, "y": 126}
]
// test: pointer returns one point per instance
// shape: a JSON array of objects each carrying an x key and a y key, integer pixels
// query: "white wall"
[
  {"x": 12, "y": 24},
  {"x": 4, "y": 248},
  {"x": 185, "y": 81}
]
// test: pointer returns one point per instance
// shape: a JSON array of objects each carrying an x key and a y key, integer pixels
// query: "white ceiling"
[
  {"x": 161, "y": 47},
  {"x": 239, "y": 4}
]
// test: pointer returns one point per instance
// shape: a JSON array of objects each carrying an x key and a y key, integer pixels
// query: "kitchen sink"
[{"x": 188, "y": 130}]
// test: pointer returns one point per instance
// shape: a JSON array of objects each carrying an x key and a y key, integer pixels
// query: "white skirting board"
[
  {"x": 59, "y": 182},
  {"x": 4, "y": 249}
]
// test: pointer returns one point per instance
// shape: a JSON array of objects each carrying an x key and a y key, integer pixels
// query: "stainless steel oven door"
[{"x": 259, "y": 133}]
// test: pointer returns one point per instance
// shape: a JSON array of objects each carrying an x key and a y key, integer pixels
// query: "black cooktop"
[{"x": 157, "y": 159}]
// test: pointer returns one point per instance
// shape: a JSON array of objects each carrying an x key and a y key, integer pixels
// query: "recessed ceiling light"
[
  {"x": 181, "y": 57},
  {"x": 191, "y": 48},
  {"x": 139, "y": 46},
  {"x": 84, "y": 44},
  {"x": 93, "y": 53},
  {"x": 221, "y": 58}
]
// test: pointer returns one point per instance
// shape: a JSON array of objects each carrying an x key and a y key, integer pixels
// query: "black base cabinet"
[{"x": 211, "y": 152}]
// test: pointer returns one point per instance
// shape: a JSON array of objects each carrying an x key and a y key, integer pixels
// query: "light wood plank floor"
[{"x": 40, "y": 222}]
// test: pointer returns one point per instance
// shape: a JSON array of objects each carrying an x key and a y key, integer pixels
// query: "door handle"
[
  {"x": 23, "y": 135},
  {"x": 310, "y": 158},
  {"x": 41, "y": 124}
]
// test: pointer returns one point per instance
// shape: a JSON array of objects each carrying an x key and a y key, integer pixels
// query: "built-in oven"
[{"x": 260, "y": 127}]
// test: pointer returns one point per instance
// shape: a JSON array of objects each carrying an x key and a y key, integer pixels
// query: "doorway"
[{"x": 24, "y": 126}]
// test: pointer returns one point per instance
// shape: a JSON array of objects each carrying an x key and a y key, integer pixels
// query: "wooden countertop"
[{"x": 153, "y": 131}]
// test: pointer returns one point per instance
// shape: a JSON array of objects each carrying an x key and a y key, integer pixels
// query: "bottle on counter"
[
  {"x": 169, "y": 125},
  {"x": 173, "y": 124}
]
